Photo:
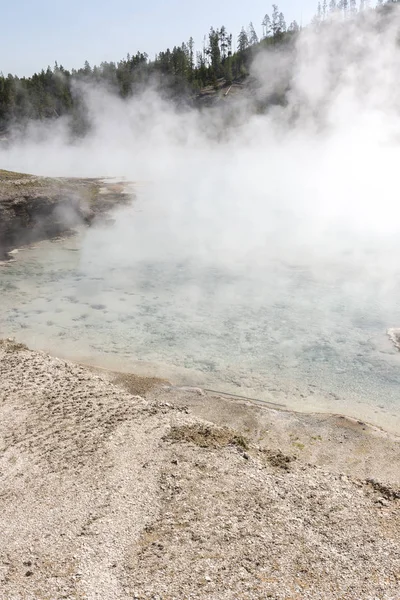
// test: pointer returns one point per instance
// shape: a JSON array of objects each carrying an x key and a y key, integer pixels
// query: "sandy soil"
[{"x": 115, "y": 487}]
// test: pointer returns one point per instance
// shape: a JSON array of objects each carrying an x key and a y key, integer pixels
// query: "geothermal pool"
[{"x": 310, "y": 337}]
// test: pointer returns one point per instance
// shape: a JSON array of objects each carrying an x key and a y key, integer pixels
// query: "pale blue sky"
[{"x": 35, "y": 33}]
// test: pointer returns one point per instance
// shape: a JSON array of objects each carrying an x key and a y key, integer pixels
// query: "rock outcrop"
[{"x": 34, "y": 208}]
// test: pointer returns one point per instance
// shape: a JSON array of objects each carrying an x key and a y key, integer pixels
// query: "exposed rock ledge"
[
  {"x": 33, "y": 208},
  {"x": 172, "y": 493}
]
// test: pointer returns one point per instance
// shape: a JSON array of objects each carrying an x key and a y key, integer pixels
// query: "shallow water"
[{"x": 311, "y": 338}]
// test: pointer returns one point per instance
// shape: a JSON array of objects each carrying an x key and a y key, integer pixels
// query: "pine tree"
[
  {"x": 282, "y": 23},
  {"x": 223, "y": 42},
  {"x": 213, "y": 51},
  {"x": 253, "y": 37},
  {"x": 87, "y": 70},
  {"x": 228, "y": 73},
  {"x": 266, "y": 26},
  {"x": 275, "y": 20},
  {"x": 243, "y": 41},
  {"x": 229, "y": 44},
  {"x": 201, "y": 69},
  {"x": 294, "y": 27},
  {"x": 191, "y": 54}
]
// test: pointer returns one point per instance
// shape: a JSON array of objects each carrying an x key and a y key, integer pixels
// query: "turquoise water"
[{"x": 312, "y": 337}]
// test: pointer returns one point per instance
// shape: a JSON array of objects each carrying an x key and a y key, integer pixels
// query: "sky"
[{"x": 36, "y": 34}]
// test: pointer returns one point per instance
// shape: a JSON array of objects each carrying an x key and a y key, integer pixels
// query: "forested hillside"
[{"x": 181, "y": 72}]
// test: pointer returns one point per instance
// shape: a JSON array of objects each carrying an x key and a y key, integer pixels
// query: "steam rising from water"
[{"x": 309, "y": 187}]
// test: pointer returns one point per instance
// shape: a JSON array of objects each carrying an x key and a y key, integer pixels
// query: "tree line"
[
  {"x": 180, "y": 72},
  {"x": 348, "y": 8}
]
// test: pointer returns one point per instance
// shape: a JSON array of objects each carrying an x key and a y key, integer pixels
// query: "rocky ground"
[
  {"x": 116, "y": 487},
  {"x": 34, "y": 208}
]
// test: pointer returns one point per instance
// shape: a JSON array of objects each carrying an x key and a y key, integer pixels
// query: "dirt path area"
[{"x": 177, "y": 493}]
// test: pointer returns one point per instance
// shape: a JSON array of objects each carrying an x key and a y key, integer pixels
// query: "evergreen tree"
[
  {"x": 87, "y": 70},
  {"x": 266, "y": 24},
  {"x": 214, "y": 52},
  {"x": 275, "y": 21},
  {"x": 228, "y": 72},
  {"x": 191, "y": 56},
  {"x": 253, "y": 37},
  {"x": 294, "y": 27},
  {"x": 282, "y": 23},
  {"x": 224, "y": 42},
  {"x": 243, "y": 41},
  {"x": 230, "y": 44},
  {"x": 201, "y": 69}
]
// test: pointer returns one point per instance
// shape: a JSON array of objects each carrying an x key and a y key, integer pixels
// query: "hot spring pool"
[{"x": 313, "y": 339}]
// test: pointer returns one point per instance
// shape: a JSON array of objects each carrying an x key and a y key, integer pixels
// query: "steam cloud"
[{"x": 310, "y": 182}]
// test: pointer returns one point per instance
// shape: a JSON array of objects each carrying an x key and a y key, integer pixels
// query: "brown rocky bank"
[
  {"x": 34, "y": 208},
  {"x": 176, "y": 493}
]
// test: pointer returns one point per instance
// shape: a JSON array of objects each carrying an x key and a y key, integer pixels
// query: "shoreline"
[
  {"x": 335, "y": 423},
  {"x": 276, "y": 406},
  {"x": 177, "y": 381},
  {"x": 136, "y": 383}
]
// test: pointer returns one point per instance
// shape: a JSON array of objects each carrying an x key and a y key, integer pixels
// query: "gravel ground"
[{"x": 182, "y": 494}]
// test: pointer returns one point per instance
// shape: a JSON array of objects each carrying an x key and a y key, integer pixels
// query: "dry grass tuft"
[
  {"x": 135, "y": 384},
  {"x": 10, "y": 345},
  {"x": 207, "y": 436}
]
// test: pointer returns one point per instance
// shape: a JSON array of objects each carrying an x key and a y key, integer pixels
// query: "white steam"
[
  {"x": 261, "y": 253},
  {"x": 312, "y": 181}
]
